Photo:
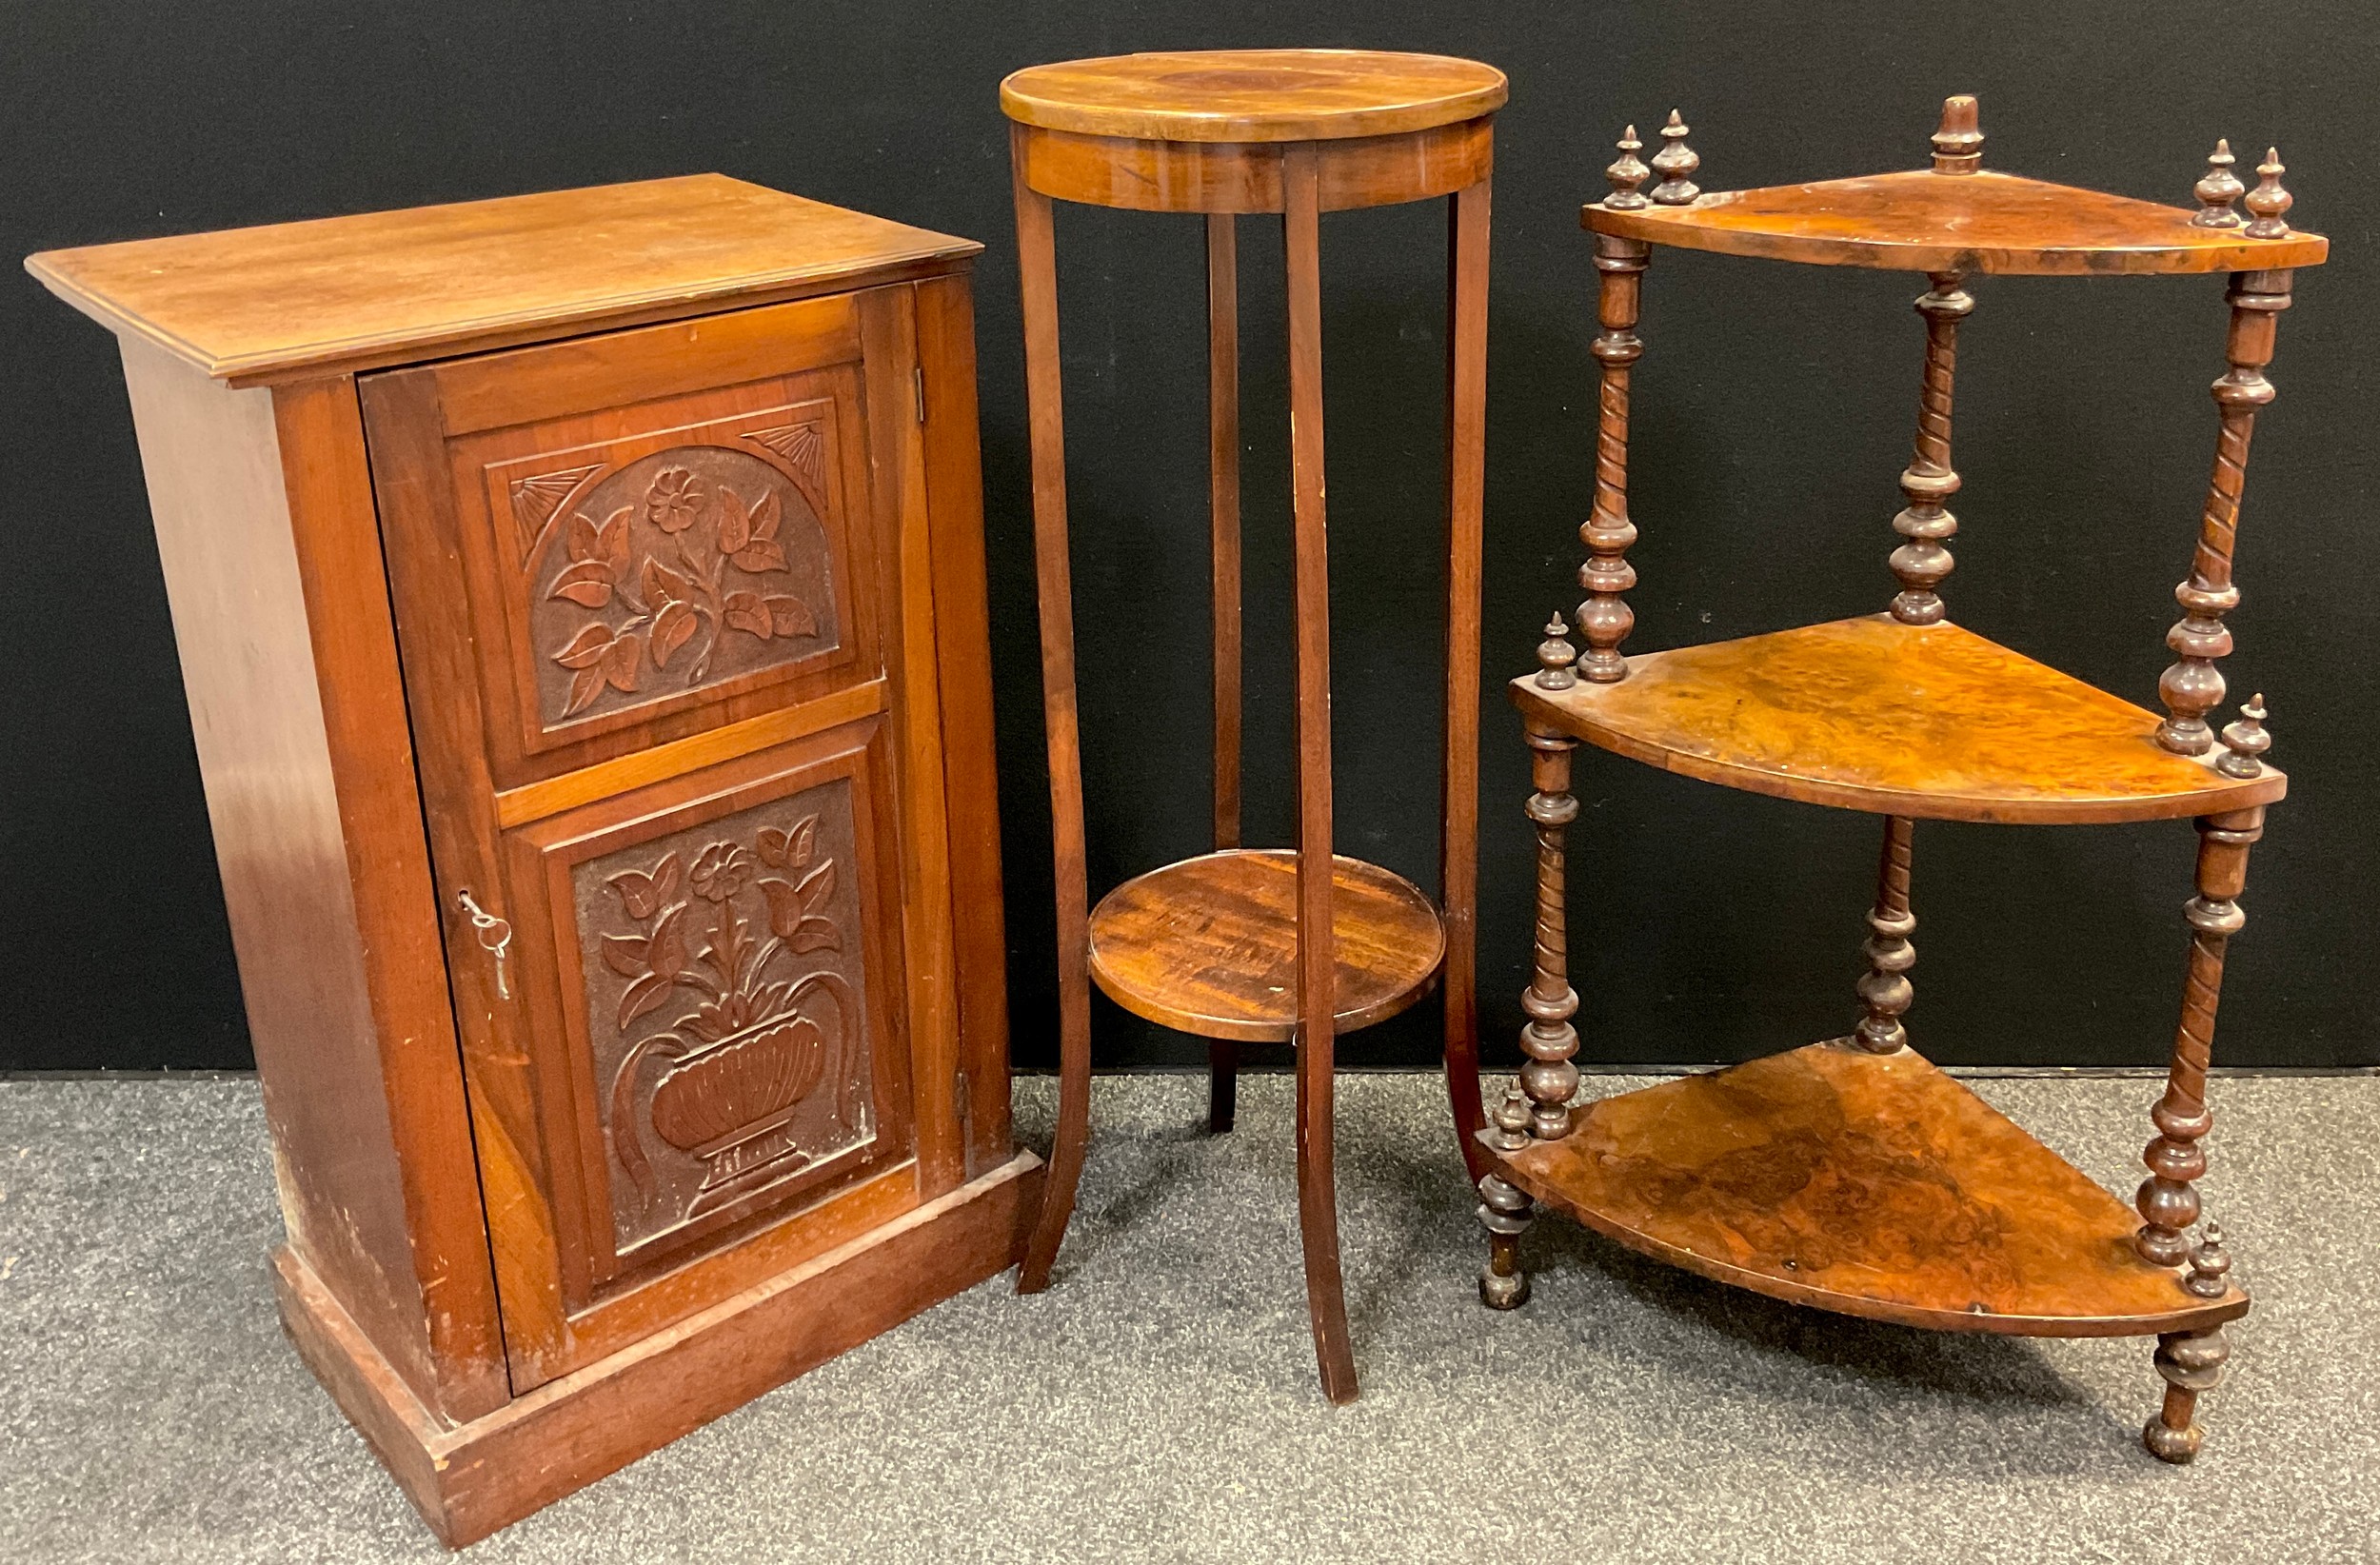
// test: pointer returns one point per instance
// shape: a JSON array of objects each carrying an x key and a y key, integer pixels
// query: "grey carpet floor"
[{"x": 1158, "y": 1402}]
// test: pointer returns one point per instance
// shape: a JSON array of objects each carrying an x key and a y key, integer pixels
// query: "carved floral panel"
[
  {"x": 726, "y": 994},
  {"x": 686, "y": 568}
]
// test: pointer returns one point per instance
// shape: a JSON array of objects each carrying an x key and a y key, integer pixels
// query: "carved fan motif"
[
  {"x": 720, "y": 966},
  {"x": 686, "y": 568},
  {"x": 536, "y": 501},
  {"x": 803, "y": 445}
]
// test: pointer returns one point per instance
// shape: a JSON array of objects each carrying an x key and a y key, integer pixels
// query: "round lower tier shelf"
[{"x": 1210, "y": 946}]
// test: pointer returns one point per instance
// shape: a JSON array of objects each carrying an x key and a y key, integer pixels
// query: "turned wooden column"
[
  {"x": 1922, "y": 563},
  {"x": 2190, "y": 1363},
  {"x": 1604, "y": 617},
  {"x": 2167, "y": 1201},
  {"x": 1885, "y": 989},
  {"x": 1539, "y": 1108},
  {"x": 2192, "y": 686}
]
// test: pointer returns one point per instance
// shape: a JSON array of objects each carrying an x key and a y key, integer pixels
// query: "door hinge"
[{"x": 920, "y": 383}]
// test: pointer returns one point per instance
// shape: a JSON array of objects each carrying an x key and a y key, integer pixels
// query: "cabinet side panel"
[
  {"x": 216, "y": 491},
  {"x": 954, "y": 477}
]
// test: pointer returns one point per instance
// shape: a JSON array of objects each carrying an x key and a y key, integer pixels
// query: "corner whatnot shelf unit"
[{"x": 1852, "y": 1174}]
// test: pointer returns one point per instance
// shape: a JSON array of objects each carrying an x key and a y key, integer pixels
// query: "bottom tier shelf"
[
  {"x": 1209, "y": 945},
  {"x": 1869, "y": 1185}
]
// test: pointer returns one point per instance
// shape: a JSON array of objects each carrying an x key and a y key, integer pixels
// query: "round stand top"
[{"x": 1253, "y": 95}]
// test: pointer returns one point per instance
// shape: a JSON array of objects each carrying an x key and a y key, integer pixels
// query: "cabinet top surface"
[
  {"x": 377, "y": 288},
  {"x": 1983, "y": 222},
  {"x": 1253, "y": 95}
]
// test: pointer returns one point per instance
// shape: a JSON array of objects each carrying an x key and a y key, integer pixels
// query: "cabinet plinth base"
[
  {"x": 469, "y": 1479},
  {"x": 1868, "y": 1184}
]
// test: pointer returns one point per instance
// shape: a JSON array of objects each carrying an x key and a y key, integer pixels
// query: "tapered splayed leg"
[
  {"x": 1222, "y": 427},
  {"x": 1466, "y": 489},
  {"x": 1037, "y": 272},
  {"x": 1317, "y": 1198}
]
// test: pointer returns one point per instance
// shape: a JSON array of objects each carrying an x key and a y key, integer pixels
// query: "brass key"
[{"x": 494, "y": 937}]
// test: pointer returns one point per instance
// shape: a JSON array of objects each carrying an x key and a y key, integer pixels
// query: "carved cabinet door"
[{"x": 654, "y": 591}]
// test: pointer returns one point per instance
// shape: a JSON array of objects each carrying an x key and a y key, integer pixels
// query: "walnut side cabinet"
[{"x": 581, "y": 602}]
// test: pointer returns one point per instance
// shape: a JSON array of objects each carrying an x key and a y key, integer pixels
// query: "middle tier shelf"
[{"x": 1932, "y": 721}]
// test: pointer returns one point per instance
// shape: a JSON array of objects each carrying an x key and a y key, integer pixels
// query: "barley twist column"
[
  {"x": 2192, "y": 686},
  {"x": 1604, "y": 617},
  {"x": 1885, "y": 988},
  {"x": 2167, "y": 1201},
  {"x": 1548, "y": 1041},
  {"x": 1920, "y": 564}
]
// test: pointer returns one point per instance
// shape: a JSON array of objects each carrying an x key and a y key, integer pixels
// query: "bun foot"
[{"x": 2178, "y": 1446}]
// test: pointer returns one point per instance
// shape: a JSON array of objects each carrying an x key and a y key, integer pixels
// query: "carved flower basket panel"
[
  {"x": 725, "y": 994},
  {"x": 687, "y": 569}
]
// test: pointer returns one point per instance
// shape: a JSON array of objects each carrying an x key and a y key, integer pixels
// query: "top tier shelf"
[
  {"x": 1921, "y": 221},
  {"x": 1957, "y": 216}
]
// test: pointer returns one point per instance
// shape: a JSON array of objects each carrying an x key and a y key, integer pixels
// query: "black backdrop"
[{"x": 1773, "y": 412}]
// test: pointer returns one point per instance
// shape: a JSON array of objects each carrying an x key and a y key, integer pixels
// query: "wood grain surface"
[
  {"x": 385, "y": 288},
  {"x": 1869, "y": 1184},
  {"x": 1210, "y": 944},
  {"x": 1926, "y": 721},
  {"x": 1233, "y": 176},
  {"x": 1253, "y": 95},
  {"x": 1918, "y": 220}
]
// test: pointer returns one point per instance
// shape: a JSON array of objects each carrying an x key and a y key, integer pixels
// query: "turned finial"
[
  {"x": 1626, "y": 174},
  {"x": 2245, "y": 742},
  {"x": 1958, "y": 141},
  {"x": 1510, "y": 1118},
  {"x": 2217, "y": 191},
  {"x": 1555, "y": 655},
  {"x": 1676, "y": 162},
  {"x": 2209, "y": 1261},
  {"x": 2267, "y": 200}
]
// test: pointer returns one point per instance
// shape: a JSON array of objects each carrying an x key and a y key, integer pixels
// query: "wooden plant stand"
[
  {"x": 1243, "y": 945},
  {"x": 1852, "y": 1174}
]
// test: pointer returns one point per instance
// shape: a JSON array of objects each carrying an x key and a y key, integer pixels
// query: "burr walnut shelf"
[
  {"x": 1852, "y": 1174},
  {"x": 1869, "y": 1184},
  {"x": 1870, "y": 714},
  {"x": 1987, "y": 223},
  {"x": 1210, "y": 946}
]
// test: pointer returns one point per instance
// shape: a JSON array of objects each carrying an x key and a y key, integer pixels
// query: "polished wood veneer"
[
  {"x": 1932, "y": 721},
  {"x": 1852, "y": 1174},
  {"x": 1253, "y": 95},
  {"x": 1986, "y": 221},
  {"x": 350, "y": 293},
  {"x": 1210, "y": 946},
  {"x": 581, "y": 601},
  {"x": 1869, "y": 1185}
]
